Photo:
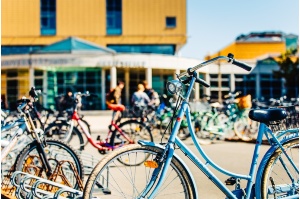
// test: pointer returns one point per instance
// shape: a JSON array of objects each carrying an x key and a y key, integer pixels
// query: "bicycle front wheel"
[
  {"x": 66, "y": 165},
  {"x": 280, "y": 179},
  {"x": 112, "y": 179},
  {"x": 62, "y": 131}
]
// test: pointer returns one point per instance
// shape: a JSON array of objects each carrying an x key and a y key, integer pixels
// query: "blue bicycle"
[{"x": 156, "y": 171}]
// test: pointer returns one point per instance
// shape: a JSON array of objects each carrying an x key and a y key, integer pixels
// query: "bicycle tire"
[
  {"x": 30, "y": 155},
  {"x": 245, "y": 131},
  {"x": 135, "y": 129},
  {"x": 183, "y": 133},
  {"x": 59, "y": 131},
  {"x": 132, "y": 180},
  {"x": 271, "y": 169}
]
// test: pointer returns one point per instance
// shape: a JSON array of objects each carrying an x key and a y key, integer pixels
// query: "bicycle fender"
[
  {"x": 152, "y": 144},
  {"x": 265, "y": 159}
]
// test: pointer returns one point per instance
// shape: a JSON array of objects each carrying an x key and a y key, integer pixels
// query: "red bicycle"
[{"x": 119, "y": 133}]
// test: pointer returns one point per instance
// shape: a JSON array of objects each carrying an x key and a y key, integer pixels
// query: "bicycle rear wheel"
[
  {"x": 136, "y": 131},
  {"x": 279, "y": 178},
  {"x": 112, "y": 179}
]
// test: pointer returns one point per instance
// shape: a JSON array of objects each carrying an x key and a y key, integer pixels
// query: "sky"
[{"x": 214, "y": 24}]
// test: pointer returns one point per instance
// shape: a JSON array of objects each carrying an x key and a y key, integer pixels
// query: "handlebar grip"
[
  {"x": 202, "y": 82},
  {"x": 242, "y": 65},
  {"x": 34, "y": 93},
  {"x": 182, "y": 74}
]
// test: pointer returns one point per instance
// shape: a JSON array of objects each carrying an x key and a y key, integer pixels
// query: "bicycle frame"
[
  {"x": 111, "y": 135},
  {"x": 27, "y": 124},
  {"x": 203, "y": 166}
]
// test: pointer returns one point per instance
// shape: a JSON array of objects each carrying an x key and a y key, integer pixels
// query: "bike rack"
[
  {"x": 89, "y": 162},
  {"x": 34, "y": 190}
]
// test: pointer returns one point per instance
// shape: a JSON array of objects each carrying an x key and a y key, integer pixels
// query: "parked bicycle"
[
  {"x": 119, "y": 133},
  {"x": 164, "y": 175},
  {"x": 46, "y": 158}
]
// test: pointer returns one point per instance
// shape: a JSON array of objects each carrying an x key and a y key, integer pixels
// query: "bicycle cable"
[{"x": 171, "y": 121}]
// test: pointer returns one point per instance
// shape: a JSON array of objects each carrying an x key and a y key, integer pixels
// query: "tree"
[{"x": 289, "y": 70}]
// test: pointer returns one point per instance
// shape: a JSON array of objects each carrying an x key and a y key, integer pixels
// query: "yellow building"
[
  {"x": 42, "y": 38},
  {"x": 106, "y": 23},
  {"x": 87, "y": 45},
  {"x": 258, "y": 48},
  {"x": 255, "y": 45}
]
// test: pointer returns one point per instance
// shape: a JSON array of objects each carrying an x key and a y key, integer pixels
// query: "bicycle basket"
[
  {"x": 290, "y": 122},
  {"x": 244, "y": 102}
]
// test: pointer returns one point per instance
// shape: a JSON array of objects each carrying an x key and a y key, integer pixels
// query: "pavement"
[{"x": 234, "y": 156}]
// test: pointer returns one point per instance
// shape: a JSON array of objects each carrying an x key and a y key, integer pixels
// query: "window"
[
  {"x": 12, "y": 50},
  {"x": 48, "y": 17},
  {"x": 270, "y": 86},
  {"x": 246, "y": 84},
  {"x": 113, "y": 17},
  {"x": 170, "y": 22},
  {"x": 78, "y": 81},
  {"x": 156, "y": 49}
]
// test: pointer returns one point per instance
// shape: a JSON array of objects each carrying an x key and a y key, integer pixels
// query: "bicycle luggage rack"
[{"x": 34, "y": 190}]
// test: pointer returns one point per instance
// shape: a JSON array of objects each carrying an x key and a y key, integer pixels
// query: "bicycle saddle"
[
  {"x": 267, "y": 115},
  {"x": 116, "y": 107}
]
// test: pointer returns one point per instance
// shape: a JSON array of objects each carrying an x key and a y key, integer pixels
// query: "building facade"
[
  {"x": 126, "y": 26},
  {"x": 89, "y": 45},
  {"x": 30, "y": 27},
  {"x": 259, "y": 49}
]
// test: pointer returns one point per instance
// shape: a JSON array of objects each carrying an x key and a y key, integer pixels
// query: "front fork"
[
  {"x": 43, "y": 157},
  {"x": 164, "y": 161},
  {"x": 40, "y": 142}
]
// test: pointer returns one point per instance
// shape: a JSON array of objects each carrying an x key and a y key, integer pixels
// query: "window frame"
[
  {"x": 114, "y": 17},
  {"x": 48, "y": 15},
  {"x": 172, "y": 25}
]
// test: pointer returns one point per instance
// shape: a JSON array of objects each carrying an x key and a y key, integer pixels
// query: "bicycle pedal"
[
  {"x": 230, "y": 181},
  {"x": 102, "y": 152},
  {"x": 106, "y": 191}
]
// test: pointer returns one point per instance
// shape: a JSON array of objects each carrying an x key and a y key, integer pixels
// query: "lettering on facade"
[
  {"x": 123, "y": 64},
  {"x": 38, "y": 62},
  {"x": 73, "y": 61}
]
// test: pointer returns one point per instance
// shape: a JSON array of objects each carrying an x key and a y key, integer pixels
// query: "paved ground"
[{"x": 233, "y": 156}]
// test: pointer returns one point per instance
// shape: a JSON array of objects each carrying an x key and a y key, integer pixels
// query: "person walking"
[{"x": 114, "y": 102}]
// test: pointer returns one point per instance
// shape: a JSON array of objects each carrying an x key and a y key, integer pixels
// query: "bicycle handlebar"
[
  {"x": 232, "y": 94},
  {"x": 82, "y": 94},
  {"x": 229, "y": 58},
  {"x": 34, "y": 93}
]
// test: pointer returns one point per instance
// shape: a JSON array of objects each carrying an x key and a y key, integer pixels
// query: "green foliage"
[{"x": 289, "y": 70}]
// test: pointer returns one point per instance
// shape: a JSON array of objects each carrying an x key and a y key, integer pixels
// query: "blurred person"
[
  {"x": 67, "y": 103},
  {"x": 113, "y": 101},
  {"x": 152, "y": 94},
  {"x": 140, "y": 98}
]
